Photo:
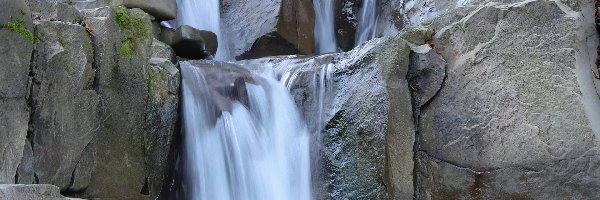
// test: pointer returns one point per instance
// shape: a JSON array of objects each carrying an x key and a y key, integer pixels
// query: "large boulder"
[
  {"x": 516, "y": 115},
  {"x": 16, "y": 46}
]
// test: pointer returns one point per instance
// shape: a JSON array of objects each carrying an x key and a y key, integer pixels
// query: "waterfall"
[
  {"x": 366, "y": 22},
  {"x": 324, "y": 26},
  {"x": 204, "y": 15},
  {"x": 243, "y": 135}
]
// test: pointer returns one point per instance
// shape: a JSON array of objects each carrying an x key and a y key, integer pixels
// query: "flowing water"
[
  {"x": 244, "y": 138},
  {"x": 204, "y": 15},
  {"x": 366, "y": 22},
  {"x": 324, "y": 27}
]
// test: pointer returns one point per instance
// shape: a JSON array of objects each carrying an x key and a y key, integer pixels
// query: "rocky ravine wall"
[
  {"x": 504, "y": 107},
  {"x": 89, "y": 100}
]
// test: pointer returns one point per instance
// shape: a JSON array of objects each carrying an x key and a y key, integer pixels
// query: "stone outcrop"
[
  {"x": 16, "y": 46},
  {"x": 247, "y": 21},
  {"x": 515, "y": 116},
  {"x": 189, "y": 42}
]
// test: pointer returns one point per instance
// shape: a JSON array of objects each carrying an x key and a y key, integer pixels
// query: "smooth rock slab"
[{"x": 515, "y": 113}]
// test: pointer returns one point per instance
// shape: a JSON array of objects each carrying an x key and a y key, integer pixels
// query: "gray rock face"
[
  {"x": 513, "y": 118},
  {"x": 15, "y": 56},
  {"x": 30, "y": 192},
  {"x": 64, "y": 105},
  {"x": 189, "y": 42}
]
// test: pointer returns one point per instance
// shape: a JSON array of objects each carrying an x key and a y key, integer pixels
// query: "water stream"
[
  {"x": 324, "y": 26},
  {"x": 367, "y": 18},
  {"x": 243, "y": 136}
]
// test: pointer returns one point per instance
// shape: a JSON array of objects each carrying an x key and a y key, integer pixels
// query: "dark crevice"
[
  {"x": 145, "y": 190},
  {"x": 69, "y": 191},
  {"x": 17, "y": 174},
  {"x": 95, "y": 67},
  {"x": 37, "y": 180},
  {"x": 414, "y": 88}
]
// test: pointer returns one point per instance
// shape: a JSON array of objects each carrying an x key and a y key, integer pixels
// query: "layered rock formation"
[{"x": 94, "y": 110}]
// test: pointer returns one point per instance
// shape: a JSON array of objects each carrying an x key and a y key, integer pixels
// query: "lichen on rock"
[{"x": 135, "y": 31}]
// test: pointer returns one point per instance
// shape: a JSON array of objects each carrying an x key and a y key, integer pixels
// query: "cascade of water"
[
  {"x": 366, "y": 22},
  {"x": 204, "y": 15},
  {"x": 324, "y": 26},
  {"x": 245, "y": 144}
]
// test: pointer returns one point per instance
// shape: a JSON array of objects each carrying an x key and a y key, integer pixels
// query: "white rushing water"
[
  {"x": 367, "y": 18},
  {"x": 324, "y": 27},
  {"x": 256, "y": 147},
  {"x": 204, "y": 15}
]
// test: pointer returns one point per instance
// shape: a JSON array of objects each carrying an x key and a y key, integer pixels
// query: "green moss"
[
  {"x": 135, "y": 31},
  {"x": 17, "y": 25}
]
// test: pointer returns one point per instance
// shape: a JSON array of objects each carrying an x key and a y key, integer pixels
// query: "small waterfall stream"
[
  {"x": 366, "y": 22},
  {"x": 243, "y": 136},
  {"x": 324, "y": 27}
]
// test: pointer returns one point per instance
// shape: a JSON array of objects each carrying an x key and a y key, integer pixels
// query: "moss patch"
[
  {"x": 17, "y": 25},
  {"x": 135, "y": 31}
]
